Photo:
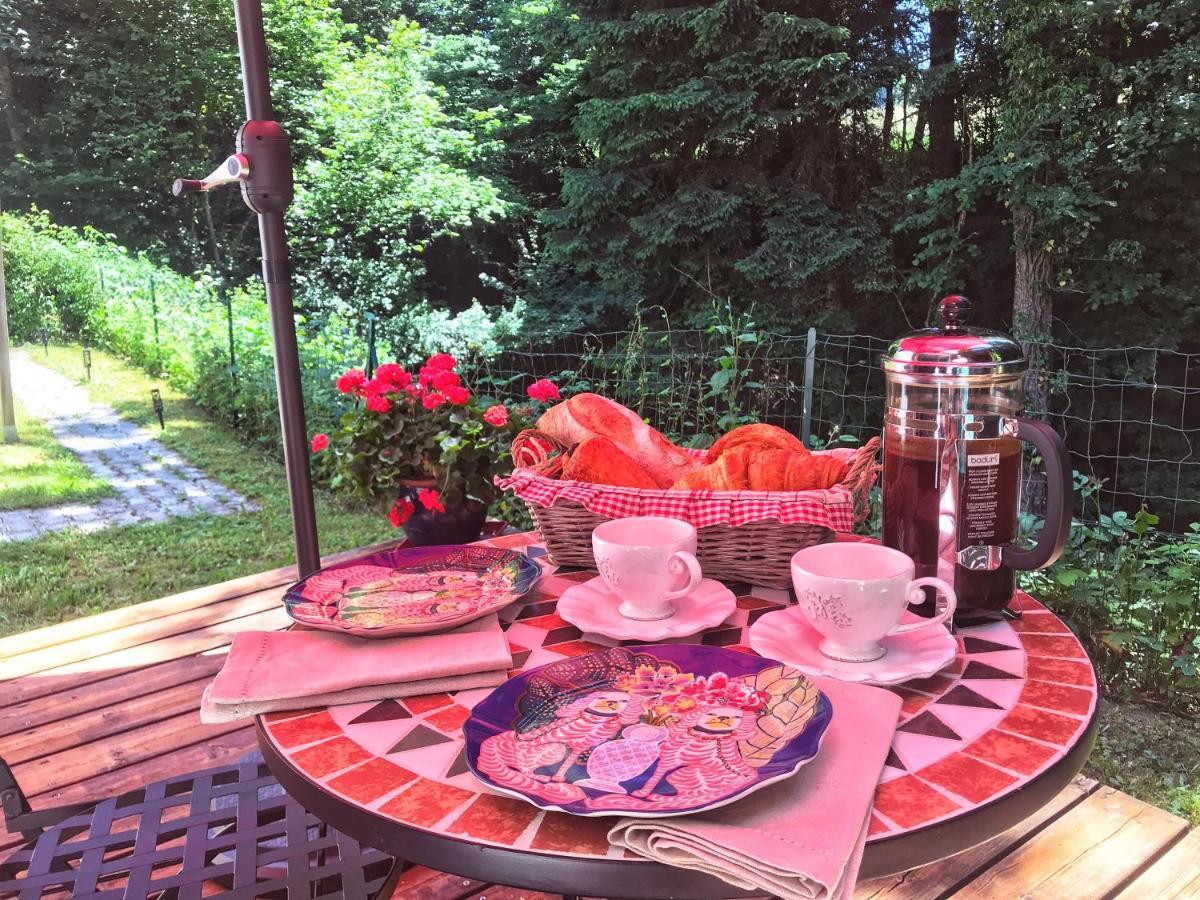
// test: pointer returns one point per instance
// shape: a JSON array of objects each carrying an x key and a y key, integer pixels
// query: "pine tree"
[{"x": 730, "y": 152}]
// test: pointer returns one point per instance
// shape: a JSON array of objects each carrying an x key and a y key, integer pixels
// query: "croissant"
[
  {"x": 788, "y": 470},
  {"x": 590, "y": 415},
  {"x": 761, "y": 435},
  {"x": 599, "y": 461},
  {"x": 729, "y": 473}
]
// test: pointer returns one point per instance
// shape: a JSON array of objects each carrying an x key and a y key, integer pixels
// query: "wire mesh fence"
[{"x": 1130, "y": 415}]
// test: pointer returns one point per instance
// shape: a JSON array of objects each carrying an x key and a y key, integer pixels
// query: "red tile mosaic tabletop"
[{"x": 1017, "y": 697}]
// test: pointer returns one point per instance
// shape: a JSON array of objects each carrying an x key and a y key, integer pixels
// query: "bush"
[
  {"x": 1132, "y": 593},
  {"x": 79, "y": 285}
]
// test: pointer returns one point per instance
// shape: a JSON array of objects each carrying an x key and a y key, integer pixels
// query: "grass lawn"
[
  {"x": 68, "y": 575},
  {"x": 38, "y": 471},
  {"x": 1153, "y": 755}
]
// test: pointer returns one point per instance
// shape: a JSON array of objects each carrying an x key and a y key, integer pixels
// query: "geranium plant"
[{"x": 422, "y": 442}]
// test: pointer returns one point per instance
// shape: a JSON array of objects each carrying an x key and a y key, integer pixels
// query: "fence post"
[
  {"x": 810, "y": 361},
  {"x": 372, "y": 356},
  {"x": 154, "y": 315},
  {"x": 7, "y": 411}
]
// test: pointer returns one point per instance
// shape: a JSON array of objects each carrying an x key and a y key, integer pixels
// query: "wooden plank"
[
  {"x": 108, "y": 693},
  {"x": 1173, "y": 877},
  {"x": 60, "y": 736},
  {"x": 51, "y": 773},
  {"x": 940, "y": 879},
  {"x": 500, "y": 892},
  {"x": 62, "y": 632},
  {"x": 86, "y": 648},
  {"x": 1092, "y": 851},
  {"x": 128, "y": 659},
  {"x": 429, "y": 884},
  {"x": 218, "y": 751}
]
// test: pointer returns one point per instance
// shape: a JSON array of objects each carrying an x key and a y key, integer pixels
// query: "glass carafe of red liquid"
[{"x": 952, "y": 461}]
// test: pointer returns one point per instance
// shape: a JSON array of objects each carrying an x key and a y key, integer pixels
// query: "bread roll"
[
  {"x": 590, "y": 415},
  {"x": 597, "y": 460}
]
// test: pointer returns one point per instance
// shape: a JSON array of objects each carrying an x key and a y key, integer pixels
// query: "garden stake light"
[
  {"x": 87, "y": 364},
  {"x": 262, "y": 164},
  {"x": 156, "y": 399}
]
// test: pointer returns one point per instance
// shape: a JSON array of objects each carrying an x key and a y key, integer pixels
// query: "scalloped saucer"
[
  {"x": 787, "y": 637},
  {"x": 592, "y": 607}
]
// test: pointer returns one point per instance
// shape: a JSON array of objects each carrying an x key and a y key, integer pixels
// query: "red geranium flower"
[
  {"x": 352, "y": 381},
  {"x": 433, "y": 401},
  {"x": 319, "y": 442},
  {"x": 378, "y": 403},
  {"x": 496, "y": 415},
  {"x": 430, "y": 500},
  {"x": 458, "y": 395},
  {"x": 394, "y": 375},
  {"x": 444, "y": 379},
  {"x": 544, "y": 389},
  {"x": 441, "y": 361},
  {"x": 401, "y": 512}
]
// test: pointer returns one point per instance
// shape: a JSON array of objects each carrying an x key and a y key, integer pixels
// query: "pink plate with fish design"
[
  {"x": 646, "y": 730},
  {"x": 411, "y": 590}
]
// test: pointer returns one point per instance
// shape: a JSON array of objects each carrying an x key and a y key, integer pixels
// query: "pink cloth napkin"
[
  {"x": 802, "y": 837},
  {"x": 273, "y": 670}
]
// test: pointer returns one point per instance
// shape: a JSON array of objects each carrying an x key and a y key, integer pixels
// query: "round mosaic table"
[{"x": 980, "y": 746}]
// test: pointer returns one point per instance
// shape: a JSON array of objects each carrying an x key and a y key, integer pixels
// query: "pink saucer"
[
  {"x": 592, "y": 607},
  {"x": 785, "y": 636}
]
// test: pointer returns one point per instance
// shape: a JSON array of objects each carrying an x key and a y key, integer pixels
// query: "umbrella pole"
[{"x": 269, "y": 191}]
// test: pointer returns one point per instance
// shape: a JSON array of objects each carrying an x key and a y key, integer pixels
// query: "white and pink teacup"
[
  {"x": 853, "y": 595},
  {"x": 647, "y": 561}
]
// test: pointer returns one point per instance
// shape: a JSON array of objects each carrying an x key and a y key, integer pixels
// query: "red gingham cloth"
[{"x": 833, "y": 508}]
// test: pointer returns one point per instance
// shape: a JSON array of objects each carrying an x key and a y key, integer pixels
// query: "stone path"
[{"x": 153, "y": 484}]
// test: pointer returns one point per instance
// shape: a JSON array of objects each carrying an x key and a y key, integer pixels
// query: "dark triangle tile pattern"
[
  {"x": 976, "y": 669},
  {"x": 961, "y": 695},
  {"x": 894, "y": 761},
  {"x": 973, "y": 645},
  {"x": 419, "y": 737},
  {"x": 459, "y": 766},
  {"x": 383, "y": 711},
  {"x": 931, "y": 726}
]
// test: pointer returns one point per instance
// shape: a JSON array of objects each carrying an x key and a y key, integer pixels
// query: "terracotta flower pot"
[{"x": 461, "y": 523}]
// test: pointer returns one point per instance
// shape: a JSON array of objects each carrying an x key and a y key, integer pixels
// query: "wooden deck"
[{"x": 100, "y": 705}]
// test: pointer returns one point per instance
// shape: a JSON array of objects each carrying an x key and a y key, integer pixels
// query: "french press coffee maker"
[{"x": 952, "y": 461}]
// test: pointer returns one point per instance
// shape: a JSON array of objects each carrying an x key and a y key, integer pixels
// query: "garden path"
[{"x": 152, "y": 483}]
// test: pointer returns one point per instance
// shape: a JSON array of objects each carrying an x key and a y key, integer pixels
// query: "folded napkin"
[
  {"x": 272, "y": 670},
  {"x": 802, "y": 837}
]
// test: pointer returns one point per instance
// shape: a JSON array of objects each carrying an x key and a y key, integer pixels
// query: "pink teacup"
[
  {"x": 853, "y": 595},
  {"x": 642, "y": 559}
]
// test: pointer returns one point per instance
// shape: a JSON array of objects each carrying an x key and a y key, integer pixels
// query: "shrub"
[{"x": 1132, "y": 593}]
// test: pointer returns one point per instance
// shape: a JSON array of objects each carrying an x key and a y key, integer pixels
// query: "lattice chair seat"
[{"x": 230, "y": 829}]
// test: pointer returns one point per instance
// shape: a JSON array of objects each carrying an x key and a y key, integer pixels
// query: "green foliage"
[
  {"x": 1133, "y": 595},
  {"x": 726, "y": 154},
  {"x": 392, "y": 176}
]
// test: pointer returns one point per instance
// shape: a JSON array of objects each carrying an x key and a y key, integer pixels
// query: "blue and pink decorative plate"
[
  {"x": 646, "y": 730},
  {"x": 412, "y": 590}
]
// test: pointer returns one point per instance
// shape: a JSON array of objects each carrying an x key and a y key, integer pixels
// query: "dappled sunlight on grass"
[{"x": 38, "y": 471}]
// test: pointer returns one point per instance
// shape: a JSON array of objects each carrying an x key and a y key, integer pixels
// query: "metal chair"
[{"x": 230, "y": 828}]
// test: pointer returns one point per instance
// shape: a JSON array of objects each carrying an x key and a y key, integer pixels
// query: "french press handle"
[{"x": 1059, "y": 501}]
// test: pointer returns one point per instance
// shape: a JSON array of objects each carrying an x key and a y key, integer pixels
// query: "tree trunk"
[
  {"x": 889, "y": 111},
  {"x": 1032, "y": 306},
  {"x": 943, "y": 39},
  {"x": 12, "y": 116}
]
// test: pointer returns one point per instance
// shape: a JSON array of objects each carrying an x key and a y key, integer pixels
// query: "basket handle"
[{"x": 861, "y": 476}]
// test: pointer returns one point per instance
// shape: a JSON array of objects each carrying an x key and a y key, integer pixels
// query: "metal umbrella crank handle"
[{"x": 236, "y": 168}]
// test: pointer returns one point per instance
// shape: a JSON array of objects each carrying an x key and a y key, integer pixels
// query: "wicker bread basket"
[{"x": 754, "y": 552}]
